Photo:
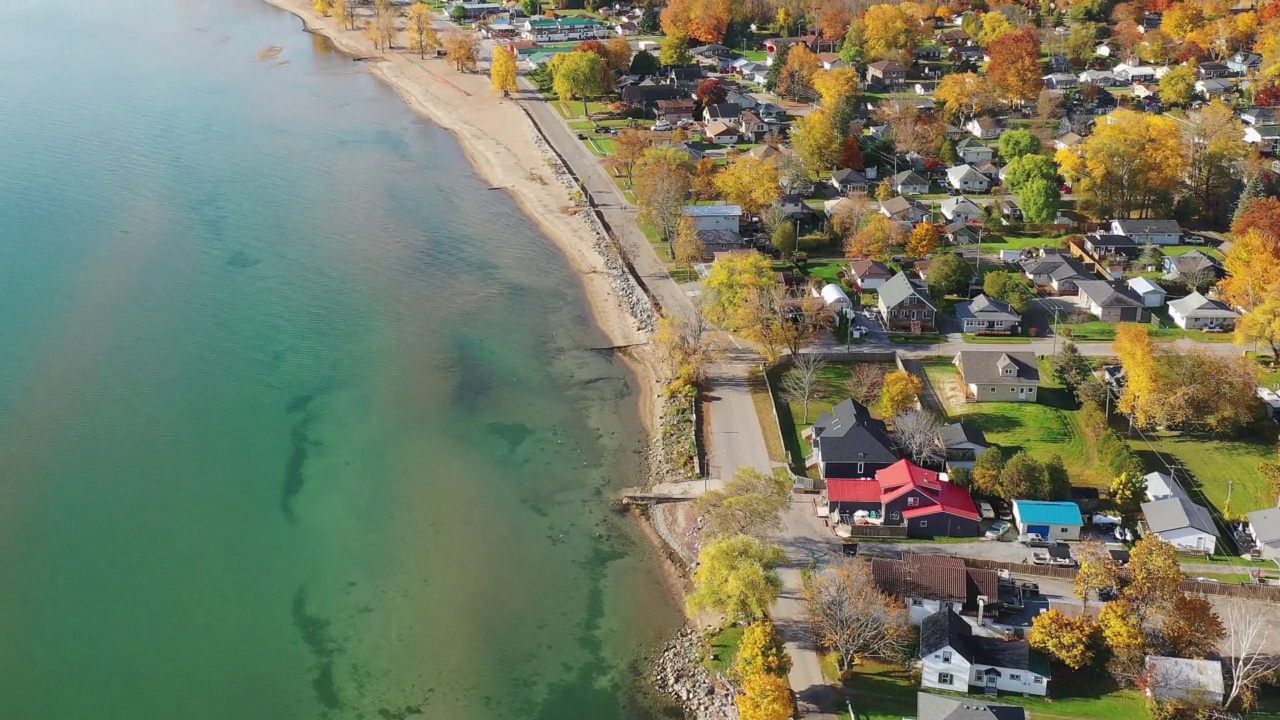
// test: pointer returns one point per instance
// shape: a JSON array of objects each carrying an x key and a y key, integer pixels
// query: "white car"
[
  {"x": 661, "y": 127},
  {"x": 997, "y": 530}
]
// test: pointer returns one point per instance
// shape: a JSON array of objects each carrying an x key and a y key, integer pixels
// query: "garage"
[
  {"x": 1041, "y": 530},
  {"x": 1050, "y": 520}
]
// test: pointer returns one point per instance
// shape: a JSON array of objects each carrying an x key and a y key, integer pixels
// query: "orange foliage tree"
[{"x": 1015, "y": 66}]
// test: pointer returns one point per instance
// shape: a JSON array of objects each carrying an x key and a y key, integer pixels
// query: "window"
[
  {"x": 912, "y": 501},
  {"x": 917, "y": 602},
  {"x": 1037, "y": 680},
  {"x": 859, "y": 468},
  {"x": 944, "y": 678},
  {"x": 993, "y": 389},
  {"x": 1062, "y": 530},
  {"x": 894, "y": 516},
  {"x": 924, "y": 523},
  {"x": 946, "y": 656},
  {"x": 1013, "y": 389},
  {"x": 1015, "y": 676}
]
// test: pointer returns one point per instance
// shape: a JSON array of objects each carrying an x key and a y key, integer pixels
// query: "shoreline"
[{"x": 504, "y": 145}]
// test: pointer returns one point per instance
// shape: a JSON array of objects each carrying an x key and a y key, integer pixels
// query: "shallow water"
[{"x": 297, "y": 419}]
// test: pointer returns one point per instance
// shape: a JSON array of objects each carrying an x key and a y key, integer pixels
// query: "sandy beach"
[{"x": 503, "y": 145}]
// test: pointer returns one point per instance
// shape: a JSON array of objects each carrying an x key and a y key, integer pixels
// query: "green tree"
[
  {"x": 675, "y": 51},
  {"x": 532, "y": 8},
  {"x": 1057, "y": 481},
  {"x": 1178, "y": 86},
  {"x": 949, "y": 275},
  {"x": 750, "y": 504},
  {"x": 1128, "y": 492},
  {"x": 775, "y": 70},
  {"x": 736, "y": 576},
  {"x": 1022, "y": 477},
  {"x": 1025, "y": 168},
  {"x": 1016, "y": 143},
  {"x": 644, "y": 63},
  {"x": 1040, "y": 200},
  {"x": 578, "y": 77},
  {"x": 947, "y": 154},
  {"x": 650, "y": 22},
  {"x": 1071, "y": 368},
  {"x": 987, "y": 470},
  {"x": 1010, "y": 288},
  {"x": 784, "y": 238}
]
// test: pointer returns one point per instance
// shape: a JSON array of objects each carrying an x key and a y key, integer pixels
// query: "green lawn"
[
  {"x": 1018, "y": 242},
  {"x": 1176, "y": 250},
  {"x": 573, "y": 109},
  {"x": 996, "y": 339},
  {"x": 924, "y": 338},
  {"x": 1218, "y": 467},
  {"x": 758, "y": 56},
  {"x": 791, "y": 415},
  {"x": 722, "y": 648}
]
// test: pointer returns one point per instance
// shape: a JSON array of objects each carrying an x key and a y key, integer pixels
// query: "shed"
[
  {"x": 1052, "y": 520},
  {"x": 834, "y": 297},
  {"x": 1174, "y": 678},
  {"x": 1151, "y": 294}
]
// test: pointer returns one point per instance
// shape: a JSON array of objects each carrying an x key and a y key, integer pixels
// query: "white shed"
[
  {"x": 1152, "y": 294},
  {"x": 834, "y": 296}
]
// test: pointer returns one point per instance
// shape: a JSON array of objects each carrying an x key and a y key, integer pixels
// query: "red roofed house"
[{"x": 907, "y": 494}]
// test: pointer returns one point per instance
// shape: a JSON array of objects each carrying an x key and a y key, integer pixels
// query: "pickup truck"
[
  {"x": 1044, "y": 558},
  {"x": 1035, "y": 540}
]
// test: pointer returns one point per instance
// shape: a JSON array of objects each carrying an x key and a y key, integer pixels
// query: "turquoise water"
[{"x": 297, "y": 419}]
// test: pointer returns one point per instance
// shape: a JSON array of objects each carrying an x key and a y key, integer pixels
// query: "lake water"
[{"x": 297, "y": 419}]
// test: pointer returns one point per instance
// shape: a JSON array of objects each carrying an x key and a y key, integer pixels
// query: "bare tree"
[
  {"x": 804, "y": 380},
  {"x": 849, "y": 614},
  {"x": 917, "y": 432},
  {"x": 1248, "y": 666},
  {"x": 771, "y": 217},
  {"x": 865, "y": 381},
  {"x": 1198, "y": 279},
  {"x": 750, "y": 504}
]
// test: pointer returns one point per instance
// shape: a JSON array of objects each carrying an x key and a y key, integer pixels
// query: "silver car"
[{"x": 997, "y": 530}]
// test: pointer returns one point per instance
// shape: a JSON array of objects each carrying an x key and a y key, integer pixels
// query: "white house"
[
  {"x": 966, "y": 178},
  {"x": 1161, "y": 486},
  {"x": 1152, "y": 295},
  {"x": 972, "y": 151},
  {"x": 909, "y": 183},
  {"x": 1158, "y": 232},
  {"x": 1263, "y": 135},
  {"x": 959, "y": 209},
  {"x": 984, "y": 314},
  {"x": 1134, "y": 73},
  {"x": 1195, "y": 312},
  {"x": 1051, "y": 520},
  {"x": 709, "y": 218},
  {"x": 1181, "y": 523},
  {"x": 955, "y": 659}
]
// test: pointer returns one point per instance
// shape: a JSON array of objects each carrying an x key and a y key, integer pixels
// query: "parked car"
[
  {"x": 984, "y": 508},
  {"x": 1035, "y": 540},
  {"x": 661, "y": 127},
  {"x": 1107, "y": 594},
  {"x": 1194, "y": 240},
  {"x": 997, "y": 530}
]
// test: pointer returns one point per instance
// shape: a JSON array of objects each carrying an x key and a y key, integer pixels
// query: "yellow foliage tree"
[
  {"x": 1066, "y": 639},
  {"x": 1121, "y": 631},
  {"x": 1262, "y": 324},
  {"x": 688, "y": 247},
  {"x": 1130, "y": 162},
  {"x": 1098, "y": 570},
  {"x": 994, "y": 26},
  {"x": 1181, "y": 19},
  {"x": 324, "y": 7},
  {"x": 750, "y": 182},
  {"x": 1154, "y": 575},
  {"x": 765, "y": 697},
  {"x": 899, "y": 393},
  {"x": 817, "y": 139},
  {"x": 423, "y": 37},
  {"x": 875, "y": 240},
  {"x": 795, "y": 79},
  {"x": 736, "y": 577},
  {"x": 502, "y": 71},
  {"x": 924, "y": 239},
  {"x": 836, "y": 86},
  {"x": 761, "y": 652},
  {"x": 1253, "y": 267},
  {"x": 1137, "y": 352},
  {"x": 733, "y": 284},
  {"x": 964, "y": 95},
  {"x": 888, "y": 30},
  {"x": 344, "y": 12},
  {"x": 463, "y": 50}
]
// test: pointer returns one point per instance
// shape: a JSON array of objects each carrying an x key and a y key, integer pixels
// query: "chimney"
[{"x": 982, "y": 605}]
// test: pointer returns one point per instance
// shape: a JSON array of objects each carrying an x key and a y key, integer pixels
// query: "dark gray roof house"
[
  {"x": 1190, "y": 263},
  {"x": 946, "y": 629},
  {"x": 995, "y": 367},
  {"x": 900, "y": 287},
  {"x": 1177, "y": 513},
  {"x": 849, "y": 443},
  {"x": 961, "y": 434},
  {"x": 983, "y": 309},
  {"x": 938, "y": 707},
  {"x": 1111, "y": 304}
]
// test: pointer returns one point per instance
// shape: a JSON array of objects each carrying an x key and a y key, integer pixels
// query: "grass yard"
[
  {"x": 722, "y": 648},
  {"x": 1019, "y": 242},
  {"x": 1045, "y": 428},
  {"x": 765, "y": 412},
  {"x": 924, "y": 338},
  {"x": 791, "y": 415},
  {"x": 996, "y": 339},
  {"x": 573, "y": 109},
  {"x": 1176, "y": 250},
  {"x": 1217, "y": 467}
]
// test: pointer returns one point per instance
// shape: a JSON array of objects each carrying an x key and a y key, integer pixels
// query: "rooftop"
[
  {"x": 1043, "y": 512},
  {"x": 712, "y": 210}
]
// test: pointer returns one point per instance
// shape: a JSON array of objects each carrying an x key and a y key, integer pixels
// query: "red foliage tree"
[
  {"x": 711, "y": 91},
  {"x": 851, "y": 154},
  {"x": 1263, "y": 214},
  {"x": 1268, "y": 96},
  {"x": 1268, "y": 13},
  {"x": 606, "y": 70},
  {"x": 1192, "y": 51}
]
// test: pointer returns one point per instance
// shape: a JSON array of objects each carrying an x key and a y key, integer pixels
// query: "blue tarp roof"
[{"x": 1040, "y": 512}]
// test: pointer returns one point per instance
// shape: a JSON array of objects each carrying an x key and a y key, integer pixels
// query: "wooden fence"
[
  {"x": 877, "y": 531},
  {"x": 1045, "y": 571}
]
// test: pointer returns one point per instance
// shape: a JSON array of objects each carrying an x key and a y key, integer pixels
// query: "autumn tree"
[
  {"x": 323, "y": 7},
  {"x": 1215, "y": 151},
  {"x": 851, "y": 154},
  {"x": 760, "y": 652},
  {"x": 865, "y": 381},
  {"x": 1015, "y": 66},
  {"x": 964, "y": 95},
  {"x": 1262, "y": 324},
  {"x": 817, "y": 139},
  {"x": 1178, "y": 86},
  {"x": 502, "y": 71},
  {"x": 675, "y": 18},
  {"x": 851, "y": 616},
  {"x": 688, "y": 247},
  {"x": 901, "y": 392},
  {"x": 778, "y": 321},
  {"x": 731, "y": 286},
  {"x": 912, "y": 130},
  {"x": 750, "y": 182},
  {"x": 834, "y": 19},
  {"x": 1179, "y": 20},
  {"x": 578, "y": 77},
  {"x": 462, "y": 49},
  {"x": 1190, "y": 628},
  {"x": 1154, "y": 575},
  {"x": 736, "y": 576},
  {"x": 923, "y": 240},
  {"x": 344, "y": 11},
  {"x": 803, "y": 381},
  {"x": 675, "y": 51},
  {"x": 682, "y": 346},
  {"x": 711, "y": 91},
  {"x": 876, "y": 240},
  {"x": 704, "y": 179},
  {"x": 1132, "y": 162},
  {"x": 994, "y": 26},
  {"x": 795, "y": 80},
  {"x": 1066, "y": 639},
  {"x": 628, "y": 146},
  {"x": 888, "y": 32},
  {"x": 661, "y": 180},
  {"x": 1099, "y": 571},
  {"x": 1252, "y": 265},
  {"x": 987, "y": 470},
  {"x": 1122, "y": 633},
  {"x": 750, "y": 504},
  {"x": 1136, "y": 351},
  {"x": 423, "y": 37},
  {"x": 765, "y": 697}
]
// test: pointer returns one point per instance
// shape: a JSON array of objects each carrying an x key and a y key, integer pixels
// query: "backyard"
[{"x": 791, "y": 417}]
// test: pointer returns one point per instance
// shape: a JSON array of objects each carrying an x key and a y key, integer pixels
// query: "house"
[
  {"x": 626, "y": 28},
  {"x": 905, "y": 305},
  {"x": 1151, "y": 294},
  {"x": 937, "y": 707},
  {"x": 1158, "y": 232},
  {"x": 831, "y": 61},
  {"x": 987, "y": 168},
  {"x": 720, "y": 132},
  {"x": 953, "y": 37},
  {"x": 687, "y": 75},
  {"x": 712, "y": 50},
  {"x": 1194, "y": 264},
  {"x": 1197, "y": 681},
  {"x": 1264, "y": 528},
  {"x": 1197, "y": 312},
  {"x": 1212, "y": 87},
  {"x": 544, "y": 30},
  {"x": 962, "y": 233},
  {"x": 984, "y": 315},
  {"x": 1134, "y": 73},
  {"x": 926, "y": 504},
  {"x": 1161, "y": 486},
  {"x": 885, "y": 74},
  {"x": 724, "y": 112},
  {"x": 869, "y": 274},
  {"x": 905, "y": 210},
  {"x": 1105, "y": 246},
  {"x": 1050, "y": 520},
  {"x": 1260, "y": 116},
  {"x": 995, "y": 376},
  {"x": 1055, "y": 272},
  {"x": 1142, "y": 91},
  {"x": 909, "y": 183},
  {"x": 1009, "y": 210},
  {"x": 953, "y": 658},
  {"x": 709, "y": 218},
  {"x": 1182, "y": 523},
  {"x": 930, "y": 583},
  {"x": 849, "y": 443},
  {"x": 1265, "y": 136},
  {"x": 647, "y": 94},
  {"x": 1110, "y": 304},
  {"x": 1244, "y": 62},
  {"x": 971, "y": 151},
  {"x": 983, "y": 128},
  {"x": 674, "y": 111},
  {"x": 1211, "y": 69},
  {"x": 1101, "y": 78},
  {"x": 962, "y": 444},
  {"x": 960, "y": 209},
  {"x": 848, "y": 180},
  {"x": 1060, "y": 81},
  {"x": 1067, "y": 140},
  {"x": 967, "y": 179},
  {"x": 753, "y": 127},
  {"x": 973, "y": 53},
  {"x": 793, "y": 206}
]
